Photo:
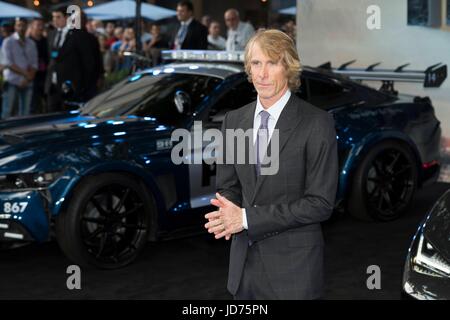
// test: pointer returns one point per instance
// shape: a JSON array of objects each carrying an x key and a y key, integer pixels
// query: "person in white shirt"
[
  {"x": 215, "y": 40},
  {"x": 239, "y": 32}
]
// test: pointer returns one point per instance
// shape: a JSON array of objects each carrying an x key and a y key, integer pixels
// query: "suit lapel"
[
  {"x": 246, "y": 123},
  {"x": 288, "y": 120}
]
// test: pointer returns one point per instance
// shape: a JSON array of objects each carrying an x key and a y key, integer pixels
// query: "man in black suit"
[
  {"x": 56, "y": 39},
  {"x": 76, "y": 63},
  {"x": 190, "y": 34},
  {"x": 273, "y": 213}
]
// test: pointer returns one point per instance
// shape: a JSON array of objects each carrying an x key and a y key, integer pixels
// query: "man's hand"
[
  {"x": 23, "y": 83},
  {"x": 29, "y": 74},
  {"x": 226, "y": 221}
]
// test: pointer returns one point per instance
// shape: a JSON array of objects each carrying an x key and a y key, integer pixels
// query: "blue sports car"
[{"x": 101, "y": 180}]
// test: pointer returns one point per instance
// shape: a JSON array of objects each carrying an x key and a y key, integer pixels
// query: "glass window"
[
  {"x": 152, "y": 96},
  {"x": 302, "y": 90},
  {"x": 237, "y": 97},
  {"x": 326, "y": 93},
  {"x": 418, "y": 12}
]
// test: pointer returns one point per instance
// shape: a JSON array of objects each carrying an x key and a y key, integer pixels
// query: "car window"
[
  {"x": 152, "y": 96},
  {"x": 326, "y": 93},
  {"x": 159, "y": 101},
  {"x": 237, "y": 97},
  {"x": 302, "y": 90}
]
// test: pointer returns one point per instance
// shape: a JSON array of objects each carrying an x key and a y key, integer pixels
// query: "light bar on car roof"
[{"x": 203, "y": 55}]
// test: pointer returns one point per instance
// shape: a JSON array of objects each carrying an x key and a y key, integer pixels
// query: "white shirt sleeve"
[{"x": 244, "y": 219}]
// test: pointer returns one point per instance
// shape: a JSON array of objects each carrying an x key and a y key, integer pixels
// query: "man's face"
[
  {"x": 214, "y": 29},
  {"x": 156, "y": 30},
  {"x": 118, "y": 32},
  {"x": 268, "y": 76},
  {"x": 206, "y": 21},
  {"x": 97, "y": 24},
  {"x": 37, "y": 27},
  {"x": 183, "y": 13},
  {"x": 20, "y": 27},
  {"x": 231, "y": 20},
  {"x": 110, "y": 28},
  {"x": 128, "y": 34},
  {"x": 5, "y": 31},
  {"x": 59, "y": 20}
]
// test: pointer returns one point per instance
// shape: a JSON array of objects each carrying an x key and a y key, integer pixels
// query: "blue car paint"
[{"x": 79, "y": 146}]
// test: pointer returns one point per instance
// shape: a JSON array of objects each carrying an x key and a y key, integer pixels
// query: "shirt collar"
[
  {"x": 238, "y": 28},
  {"x": 276, "y": 109},
  {"x": 187, "y": 22},
  {"x": 64, "y": 29},
  {"x": 17, "y": 37}
]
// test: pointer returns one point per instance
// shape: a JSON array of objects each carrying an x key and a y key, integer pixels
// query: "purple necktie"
[{"x": 262, "y": 140}]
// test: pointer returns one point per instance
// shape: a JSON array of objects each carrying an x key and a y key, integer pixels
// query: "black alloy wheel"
[
  {"x": 107, "y": 222},
  {"x": 384, "y": 183}
]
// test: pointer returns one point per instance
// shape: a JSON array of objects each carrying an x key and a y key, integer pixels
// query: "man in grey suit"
[{"x": 274, "y": 219}]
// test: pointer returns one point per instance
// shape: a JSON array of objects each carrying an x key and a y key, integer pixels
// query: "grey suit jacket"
[{"x": 284, "y": 210}]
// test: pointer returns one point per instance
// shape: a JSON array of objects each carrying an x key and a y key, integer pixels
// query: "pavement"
[{"x": 196, "y": 267}]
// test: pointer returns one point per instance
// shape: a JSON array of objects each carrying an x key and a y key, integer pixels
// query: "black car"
[{"x": 426, "y": 275}]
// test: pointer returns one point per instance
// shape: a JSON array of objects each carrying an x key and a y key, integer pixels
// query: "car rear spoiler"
[{"x": 432, "y": 77}]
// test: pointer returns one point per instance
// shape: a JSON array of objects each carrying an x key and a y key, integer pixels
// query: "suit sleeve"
[
  {"x": 203, "y": 38},
  {"x": 227, "y": 181},
  {"x": 89, "y": 51},
  {"x": 317, "y": 202}
]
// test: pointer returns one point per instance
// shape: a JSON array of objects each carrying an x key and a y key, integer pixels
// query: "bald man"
[{"x": 239, "y": 32}]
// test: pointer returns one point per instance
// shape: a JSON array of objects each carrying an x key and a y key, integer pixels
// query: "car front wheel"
[{"x": 106, "y": 222}]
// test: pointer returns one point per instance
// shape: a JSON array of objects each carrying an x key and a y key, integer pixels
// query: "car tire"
[
  {"x": 107, "y": 221},
  {"x": 384, "y": 183}
]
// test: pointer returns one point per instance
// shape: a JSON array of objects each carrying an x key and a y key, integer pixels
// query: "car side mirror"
[
  {"x": 67, "y": 89},
  {"x": 182, "y": 101},
  {"x": 68, "y": 93}
]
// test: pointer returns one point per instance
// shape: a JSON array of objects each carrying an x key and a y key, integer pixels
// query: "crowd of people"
[{"x": 44, "y": 64}]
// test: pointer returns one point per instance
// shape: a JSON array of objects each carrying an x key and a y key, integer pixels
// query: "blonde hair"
[{"x": 277, "y": 45}]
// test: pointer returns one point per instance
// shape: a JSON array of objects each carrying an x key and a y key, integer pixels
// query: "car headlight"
[
  {"x": 28, "y": 180},
  {"x": 428, "y": 261}
]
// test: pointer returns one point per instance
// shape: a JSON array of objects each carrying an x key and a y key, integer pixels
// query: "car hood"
[
  {"x": 29, "y": 133},
  {"x": 437, "y": 226}
]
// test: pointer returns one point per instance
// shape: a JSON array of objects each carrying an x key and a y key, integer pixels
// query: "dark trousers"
[
  {"x": 37, "y": 103},
  {"x": 255, "y": 284},
  {"x": 54, "y": 100}
]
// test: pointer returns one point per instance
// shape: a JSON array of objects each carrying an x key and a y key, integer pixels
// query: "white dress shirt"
[
  {"x": 218, "y": 43},
  {"x": 64, "y": 32},
  {"x": 58, "y": 45},
  {"x": 179, "y": 42},
  {"x": 275, "y": 112},
  {"x": 237, "y": 39}
]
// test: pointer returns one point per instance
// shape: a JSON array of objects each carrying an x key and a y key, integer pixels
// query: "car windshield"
[{"x": 148, "y": 95}]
